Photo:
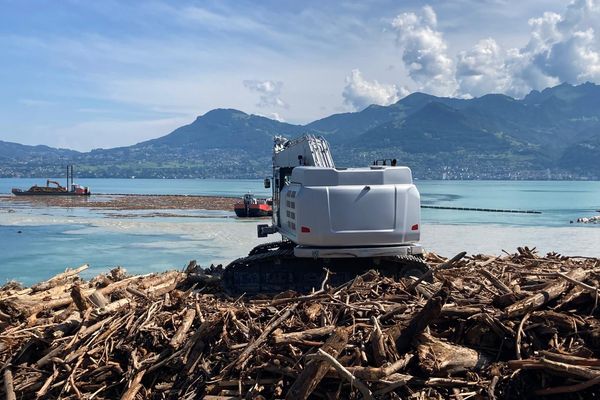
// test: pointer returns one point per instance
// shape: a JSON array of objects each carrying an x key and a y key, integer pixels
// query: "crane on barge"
[{"x": 71, "y": 189}]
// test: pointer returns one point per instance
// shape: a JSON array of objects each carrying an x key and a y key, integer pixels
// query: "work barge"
[
  {"x": 519, "y": 325},
  {"x": 71, "y": 188}
]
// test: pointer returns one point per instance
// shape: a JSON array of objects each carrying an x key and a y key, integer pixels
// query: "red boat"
[{"x": 251, "y": 207}]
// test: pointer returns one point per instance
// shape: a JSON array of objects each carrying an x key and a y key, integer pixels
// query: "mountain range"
[{"x": 554, "y": 133}]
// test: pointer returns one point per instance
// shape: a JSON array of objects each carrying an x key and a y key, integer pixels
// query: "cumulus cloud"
[
  {"x": 561, "y": 48},
  {"x": 482, "y": 69},
  {"x": 269, "y": 91},
  {"x": 360, "y": 93},
  {"x": 276, "y": 117},
  {"x": 425, "y": 53}
]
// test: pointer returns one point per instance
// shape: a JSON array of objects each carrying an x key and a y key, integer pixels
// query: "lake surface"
[{"x": 36, "y": 243}]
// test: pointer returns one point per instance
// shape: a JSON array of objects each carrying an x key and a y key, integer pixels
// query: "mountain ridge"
[{"x": 489, "y": 137}]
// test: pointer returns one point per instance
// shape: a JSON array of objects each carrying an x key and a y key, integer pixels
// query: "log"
[
  {"x": 430, "y": 312},
  {"x": 569, "y": 359},
  {"x": 591, "y": 289},
  {"x": 453, "y": 310},
  {"x": 98, "y": 299},
  {"x": 134, "y": 386},
  {"x": 157, "y": 280},
  {"x": 293, "y": 337},
  {"x": 563, "y": 321},
  {"x": 556, "y": 367},
  {"x": 186, "y": 323},
  {"x": 79, "y": 298},
  {"x": 378, "y": 344},
  {"x": 142, "y": 279},
  {"x": 497, "y": 283},
  {"x": 114, "y": 306},
  {"x": 163, "y": 288},
  {"x": 58, "y": 279},
  {"x": 552, "y": 291},
  {"x": 568, "y": 389},
  {"x": 439, "y": 358},
  {"x": 9, "y": 389},
  {"x": 375, "y": 374},
  {"x": 313, "y": 372}
]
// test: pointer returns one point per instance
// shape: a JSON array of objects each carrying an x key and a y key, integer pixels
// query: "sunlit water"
[{"x": 36, "y": 243}]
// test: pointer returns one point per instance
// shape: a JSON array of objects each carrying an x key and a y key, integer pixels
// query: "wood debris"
[{"x": 515, "y": 326}]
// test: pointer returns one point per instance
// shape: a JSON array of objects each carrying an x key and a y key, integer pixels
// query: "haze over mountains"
[{"x": 554, "y": 133}]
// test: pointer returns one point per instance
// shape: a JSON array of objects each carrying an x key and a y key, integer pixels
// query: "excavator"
[
  {"x": 58, "y": 185},
  {"x": 334, "y": 222}
]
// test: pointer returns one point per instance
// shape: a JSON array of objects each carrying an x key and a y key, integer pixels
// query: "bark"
[
  {"x": 430, "y": 312},
  {"x": 9, "y": 390},
  {"x": 313, "y": 372},
  {"x": 551, "y": 292},
  {"x": 79, "y": 298},
  {"x": 309, "y": 334},
  {"x": 180, "y": 336},
  {"x": 439, "y": 358}
]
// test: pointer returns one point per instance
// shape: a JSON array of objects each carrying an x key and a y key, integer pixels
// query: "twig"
[
  {"x": 568, "y": 389},
  {"x": 520, "y": 335}
]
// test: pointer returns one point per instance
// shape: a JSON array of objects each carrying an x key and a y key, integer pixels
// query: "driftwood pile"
[{"x": 516, "y": 326}]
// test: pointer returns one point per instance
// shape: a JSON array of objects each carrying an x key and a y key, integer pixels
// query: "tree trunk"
[{"x": 438, "y": 358}]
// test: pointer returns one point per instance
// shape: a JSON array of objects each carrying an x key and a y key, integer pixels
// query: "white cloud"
[
  {"x": 360, "y": 93},
  {"x": 425, "y": 53},
  {"x": 270, "y": 92},
  {"x": 561, "y": 48},
  {"x": 482, "y": 69},
  {"x": 566, "y": 47}
]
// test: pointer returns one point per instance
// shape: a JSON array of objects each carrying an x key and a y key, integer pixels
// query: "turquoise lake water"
[{"x": 36, "y": 243}]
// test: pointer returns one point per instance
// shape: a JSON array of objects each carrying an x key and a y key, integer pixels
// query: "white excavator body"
[{"x": 330, "y": 212}]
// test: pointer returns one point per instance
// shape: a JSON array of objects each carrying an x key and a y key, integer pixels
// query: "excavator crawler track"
[
  {"x": 272, "y": 268},
  {"x": 265, "y": 247}
]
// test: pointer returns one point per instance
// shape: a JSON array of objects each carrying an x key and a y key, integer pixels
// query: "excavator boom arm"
[
  {"x": 307, "y": 150},
  {"x": 48, "y": 182}
]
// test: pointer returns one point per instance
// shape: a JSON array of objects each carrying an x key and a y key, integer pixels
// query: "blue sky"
[{"x": 84, "y": 74}]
